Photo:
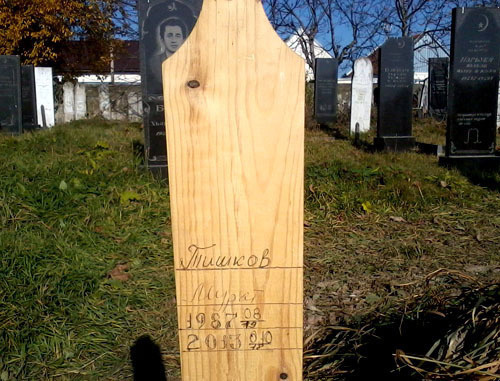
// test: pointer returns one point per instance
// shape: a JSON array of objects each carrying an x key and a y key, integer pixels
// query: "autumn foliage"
[{"x": 38, "y": 30}]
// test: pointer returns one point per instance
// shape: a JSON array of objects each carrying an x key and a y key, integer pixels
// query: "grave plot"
[
  {"x": 473, "y": 90},
  {"x": 438, "y": 86},
  {"x": 394, "y": 124},
  {"x": 28, "y": 97},
  {"x": 361, "y": 96},
  {"x": 44, "y": 96},
  {"x": 234, "y": 111},
  {"x": 164, "y": 26},
  {"x": 325, "y": 90},
  {"x": 10, "y": 95}
]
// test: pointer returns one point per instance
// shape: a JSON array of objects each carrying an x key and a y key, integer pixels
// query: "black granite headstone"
[
  {"x": 28, "y": 97},
  {"x": 10, "y": 95},
  {"x": 474, "y": 75},
  {"x": 325, "y": 89},
  {"x": 438, "y": 86},
  {"x": 164, "y": 26},
  {"x": 394, "y": 124}
]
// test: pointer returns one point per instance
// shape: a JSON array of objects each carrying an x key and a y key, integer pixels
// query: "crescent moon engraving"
[
  {"x": 482, "y": 26},
  {"x": 401, "y": 44}
]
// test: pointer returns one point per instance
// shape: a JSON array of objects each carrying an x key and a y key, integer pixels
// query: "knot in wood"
[{"x": 193, "y": 84}]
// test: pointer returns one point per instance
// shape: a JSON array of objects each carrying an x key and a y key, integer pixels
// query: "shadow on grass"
[
  {"x": 486, "y": 178},
  {"x": 364, "y": 145},
  {"x": 441, "y": 338},
  {"x": 333, "y": 131},
  {"x": 484, "y": 172},
  {"x": 146, "y": 360}
]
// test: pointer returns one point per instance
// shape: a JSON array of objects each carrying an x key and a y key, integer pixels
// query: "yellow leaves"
[
  {"x": 367, "y": 207},
  {"x": 38, "y": 29}
]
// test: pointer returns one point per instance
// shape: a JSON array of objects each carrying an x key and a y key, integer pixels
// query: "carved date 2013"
[{"x": 252, "y": 340}]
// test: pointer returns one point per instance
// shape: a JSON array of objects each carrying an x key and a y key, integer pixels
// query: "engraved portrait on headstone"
[
  {"x": 170, "y": 35},
  {"x": 164, "y": 26}
]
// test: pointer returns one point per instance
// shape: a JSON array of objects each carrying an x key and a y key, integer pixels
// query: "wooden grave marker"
[{"x": 234, "y": 112}]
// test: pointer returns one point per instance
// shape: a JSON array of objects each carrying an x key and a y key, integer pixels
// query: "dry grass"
[{"x": 401, "y": 257}]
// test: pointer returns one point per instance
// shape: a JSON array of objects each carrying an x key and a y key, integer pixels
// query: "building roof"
[
  {"x": 294, "y": 43},
  {"x": 80, "y": 57}
]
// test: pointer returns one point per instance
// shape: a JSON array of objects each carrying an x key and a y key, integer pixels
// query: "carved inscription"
[
  {"x": 398, "y": 77},
  {"x": 221, "y": 298},
  {"x": 476, "y": 68},
  {"x": 237, "y": 318},
  {"x": 201, "y": 258},
  {"x": 474, "y": 82},
  {"x": 325, "y": 89},
  {"x": 247, "y": 340},
  {"x": 251, "y": 340}
]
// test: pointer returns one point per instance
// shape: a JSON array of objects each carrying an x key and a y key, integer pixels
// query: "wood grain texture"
[{"x": 235, "y": 151}]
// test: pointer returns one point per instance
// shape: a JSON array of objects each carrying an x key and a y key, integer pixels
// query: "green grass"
[{"x": 74, "y": 203}]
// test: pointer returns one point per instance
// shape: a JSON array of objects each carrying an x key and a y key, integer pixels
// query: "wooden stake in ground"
[{"x": 234, "y": 111}]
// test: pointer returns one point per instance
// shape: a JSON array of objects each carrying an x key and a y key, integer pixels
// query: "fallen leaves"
[
  {"x": 367, "y": 207},
  {"x": 129, "y": 196},
  {"x": 397, "y": 219},
  {"x": 120, "y": 272}
]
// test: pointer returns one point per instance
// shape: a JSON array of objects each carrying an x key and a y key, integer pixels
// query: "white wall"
[{"x": 294, "y": 43}]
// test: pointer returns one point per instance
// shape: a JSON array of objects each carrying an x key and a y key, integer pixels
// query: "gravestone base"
[
  {"x": 479, "y": 162},
  {"x": 30, "y": 127},
  {"x": 429, "y": 149},
  {"x": 394, "y": 143},
  {"x": 159, "y": 171}
]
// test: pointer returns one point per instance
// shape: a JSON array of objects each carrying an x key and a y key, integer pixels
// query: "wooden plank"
[{"x": 235, "y": 153}]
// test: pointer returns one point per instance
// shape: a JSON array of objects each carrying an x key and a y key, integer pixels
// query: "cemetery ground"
[{"x": 399, "y": 253}]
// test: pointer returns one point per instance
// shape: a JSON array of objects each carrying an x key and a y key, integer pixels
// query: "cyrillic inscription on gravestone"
[
  {"x": 28, "y": 97},
  {"x": 234, "y": 111},
  {"x": 438, "y": 86},
  {"x": 10, "y": 95},
  {"x": 394, "y": 125},
  {"x": 325, "y": 89},
  {"x": 164, "y": 25},
  {"x": 474, "y": 75},
  {"x": 361, "y": 95}
]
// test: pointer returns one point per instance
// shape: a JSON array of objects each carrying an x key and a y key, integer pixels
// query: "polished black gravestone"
[
  {"x": 28, "y": 97},
  {"x": 325, "y": 89},
  {"x": 10, "y": 95},
  {"x": 473, "y": 89},
  {"x": 394, "y": 123},
  {"x": 164, "y": 26},
  {"x": 438, "y": 86}
]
